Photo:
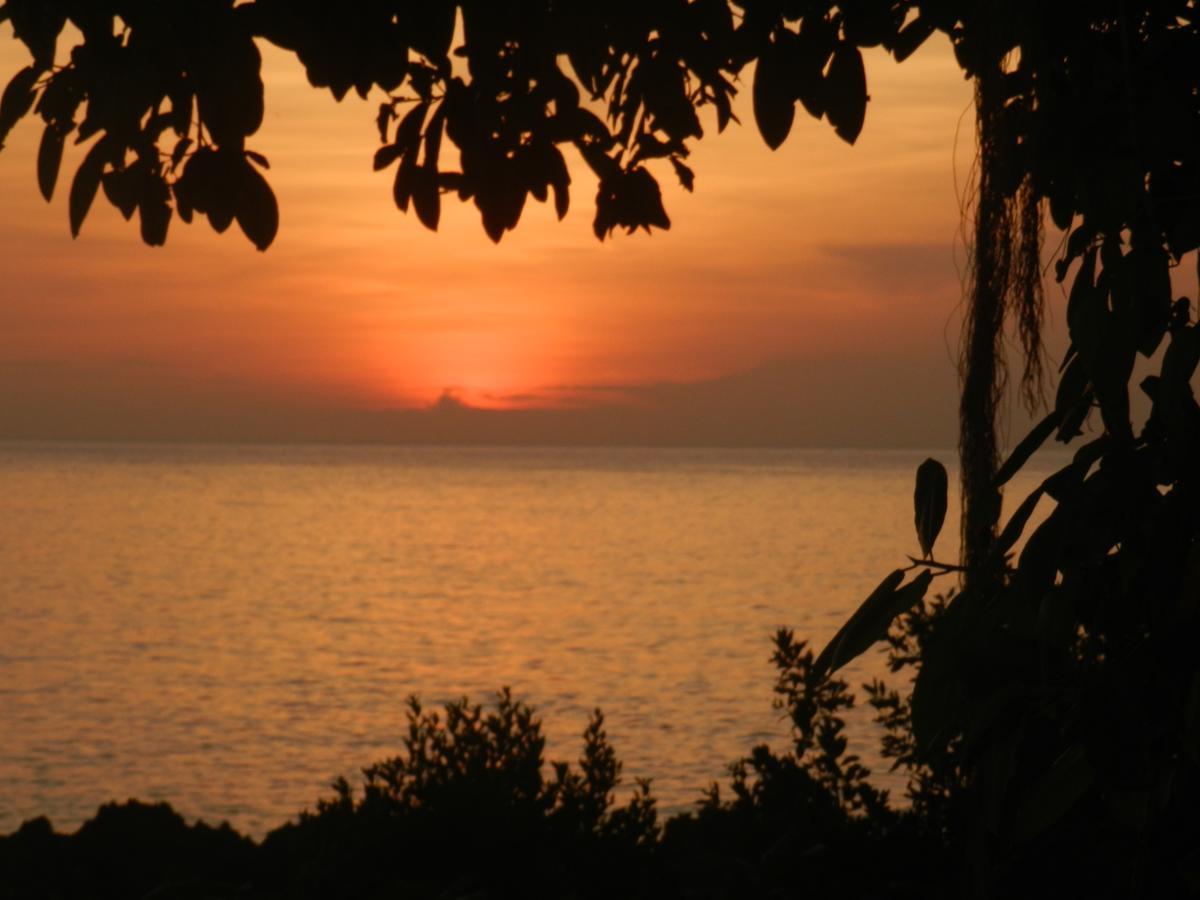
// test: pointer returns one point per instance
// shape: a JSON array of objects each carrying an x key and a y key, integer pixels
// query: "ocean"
[{"x": 229, "y": 628}]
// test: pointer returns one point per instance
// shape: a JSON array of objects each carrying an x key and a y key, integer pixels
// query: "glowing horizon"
[{"x": 818, "y": 252}]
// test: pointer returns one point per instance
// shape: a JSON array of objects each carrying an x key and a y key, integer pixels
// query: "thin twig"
[{"x": 934, "y": 564}]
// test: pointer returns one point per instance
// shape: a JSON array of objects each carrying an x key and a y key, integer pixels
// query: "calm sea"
[{"x": 228, "y": 628}]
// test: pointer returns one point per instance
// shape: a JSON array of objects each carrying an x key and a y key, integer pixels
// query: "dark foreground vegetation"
[{"x": 469, "y": 809}]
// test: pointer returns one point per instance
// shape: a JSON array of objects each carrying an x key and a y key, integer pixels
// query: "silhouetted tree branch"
[{"x": 168, "y": 94}]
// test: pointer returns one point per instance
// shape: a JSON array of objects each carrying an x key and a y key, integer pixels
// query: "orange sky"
[{"x": 820, "y": 269}]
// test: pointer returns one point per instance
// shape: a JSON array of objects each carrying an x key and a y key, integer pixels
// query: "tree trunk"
[{"x": 982, "y": 359}]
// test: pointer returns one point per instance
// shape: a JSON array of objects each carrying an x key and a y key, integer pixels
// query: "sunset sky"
[{"x": 804, "y": 296}]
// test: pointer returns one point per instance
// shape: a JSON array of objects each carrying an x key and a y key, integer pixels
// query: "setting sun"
[{"x": 489, "y": 369}]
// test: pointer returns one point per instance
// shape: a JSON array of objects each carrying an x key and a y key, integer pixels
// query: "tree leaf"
[
  {"x": 180, "y": 151},
  {"x": 1072, "y": 385},
  {"x": 433, "y": 137},
  {"x": 17, "y": 100},
  {"x": 1028, "y": 446},
  {"x": 1016, "y": 524},
  {"x": 257, "y": 210},
  {"x": 1073, "y": 400},
  {"x": 257, "y": 158},
  {"x": 929, "y": 503},
  {"x": 912, "y": 36},
  {"x": 871, "y": 620},
  {"x": 807, "y": 57},
  {"x": 1039, "y": 560},
  {"x": 643, "y": 198},
  {"x": 500, "y": 197},
  {"x": 583, "y": 123},
  {"x": 408, "y": 135},
  {"x": 687, "y": 177},
  {"x": 560, "y": 180},
  {"x": 1080, "y": 241},
  {"x": 229, "y": 89},
  {"x": 220, "y": 217},
  {"x": 49, "y": 159},
  {"x": 86, "y": 183},
  {"x": 402, "y": 187},
  {"x": 123, "y": 191},
  {"x": 153, "y": 209},
  {"x": 1085, "y": 311},
  {"x": 425, "y": 197},
  {"x": 386, "y": 155},
  {"x": 383, "y": 120},
  {"x": 60, "y": 100},
  {"x": 1181, "y": 358},
  {"x": 846, "y": 92},
  {"x": 774, "y": 101}
]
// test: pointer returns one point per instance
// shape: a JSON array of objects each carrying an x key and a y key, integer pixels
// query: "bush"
[
  {"x": 807, "y": 822},
  {"x": 126, "y": 850},
  {"x": 468, "y": 804}
]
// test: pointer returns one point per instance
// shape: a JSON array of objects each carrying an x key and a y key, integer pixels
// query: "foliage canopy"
[{"x": 170, "y": 94}]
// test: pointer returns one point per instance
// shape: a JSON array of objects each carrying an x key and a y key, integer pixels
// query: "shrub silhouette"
[
  {"x": 468, "y": 809},
  {"x": 470, "y": 806},
  {"x": 807, "y": 822},
  {"x": 126, "y": 850}
]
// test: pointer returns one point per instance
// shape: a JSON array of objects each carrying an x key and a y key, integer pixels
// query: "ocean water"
[{"x": 229, "y": 628}]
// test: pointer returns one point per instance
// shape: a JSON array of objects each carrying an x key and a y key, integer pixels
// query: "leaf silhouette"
[
  {"x": 912, "y": 36},
  {"x": 560, "y": 180},
  {"x": 408, "y": 134},
  {"x": 1085, "y": 311},
  {"x": 86, "y": 183},
  {"x": 433, "y": 138},
  {"x": 807, "y": 59},
  {"x": 425, "y": 197},
  {"x": 687, "y": 177},
  {"x": 17, "y": 100},
  {"x": 229, "y": 89},
  {"x": 1016, "y": 524},
  {"x": 402, "y": 187},
  {"x": 257, "y": 210},
  {"x": 386, "y": 155},
  {"x": 774, "y": 101},
  {"x": 871, "y": 620},
  {"x": 122, "y": 191},
  {"x": 153, "y": 208},
  {"x": 383, "y": 120},
  {"x": 1073, "y": 400},
  {"x": 929, "y": 502},
  {"x": 846, "y": 92},
  {"x": 49, "y": 159},
  {"x": 1028, "y": 446}
]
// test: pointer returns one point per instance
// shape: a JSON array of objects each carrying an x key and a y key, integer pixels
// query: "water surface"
[{"x": 228, "y": 628}]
